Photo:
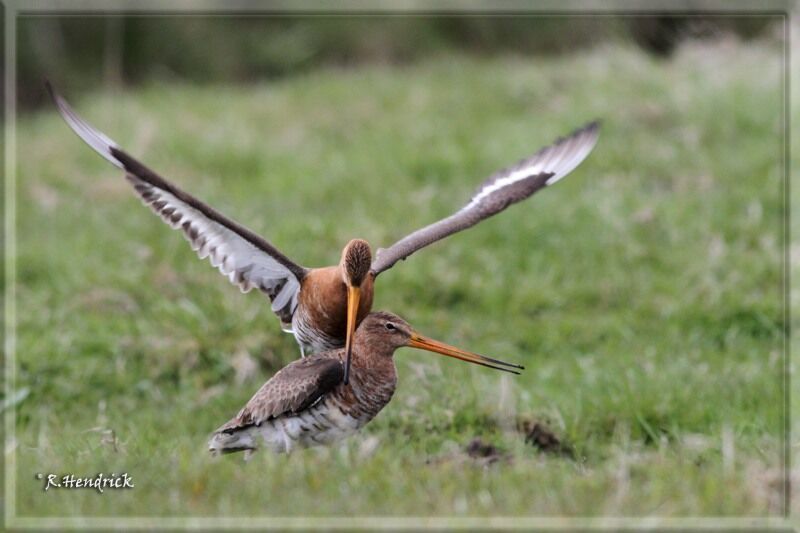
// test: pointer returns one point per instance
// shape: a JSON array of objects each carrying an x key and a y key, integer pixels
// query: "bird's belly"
[
  {"x": 325, "y": 424},
  {"x": 318, "y": 426},
  {"x": 311, "y": 338},
  {"x": 322, "y": 424},
  {"x": 272, "y": 437}
]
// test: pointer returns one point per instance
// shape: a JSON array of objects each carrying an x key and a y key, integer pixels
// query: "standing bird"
[
  {"x": 307, "y": 403},
  {"x": 323, "y": 306}
]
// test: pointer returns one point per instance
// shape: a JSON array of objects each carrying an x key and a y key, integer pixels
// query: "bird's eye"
[{"x": 390, "y": 326}]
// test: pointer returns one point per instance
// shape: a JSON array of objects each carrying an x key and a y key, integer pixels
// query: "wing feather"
[
  {"x": 295, "y": 387},
  {"x": 246, "y": 259},
  {"x": 509, "y": 186}
]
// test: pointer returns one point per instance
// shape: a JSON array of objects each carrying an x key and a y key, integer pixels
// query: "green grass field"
[{"x": 643, "y": 293}]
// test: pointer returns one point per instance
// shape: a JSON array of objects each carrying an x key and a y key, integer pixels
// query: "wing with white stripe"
[
  {"x": 502, "y": 189},
  {"x": 245, "y": 258}
]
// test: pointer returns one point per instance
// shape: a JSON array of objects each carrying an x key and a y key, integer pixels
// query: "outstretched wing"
[
  {"x": 246, "y": 259},
  {"x": 502, "y": 189},
  {"x": 295, "y": 387}
]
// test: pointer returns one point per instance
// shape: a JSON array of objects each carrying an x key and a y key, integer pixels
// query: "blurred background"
[
  {"x": 644, "y": 293},
  {"x": 83, "y": 52}
]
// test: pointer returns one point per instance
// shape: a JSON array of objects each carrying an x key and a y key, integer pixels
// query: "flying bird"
[
  {"x": 307, "y": 402},
  {"x": 322, "y": 306}
]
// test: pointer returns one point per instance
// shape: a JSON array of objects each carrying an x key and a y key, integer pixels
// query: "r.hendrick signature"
[{"x": 98, "y": 482}]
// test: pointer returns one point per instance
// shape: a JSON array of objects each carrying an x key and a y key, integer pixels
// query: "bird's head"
[
  {"x": 355, "y": 262},
  {"x": 354, "y": 265},
  {"x": 383, "y": 332}
]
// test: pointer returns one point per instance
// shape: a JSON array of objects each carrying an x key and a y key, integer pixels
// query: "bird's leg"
[
  {"x": 248, "y": 454},
  {"x": 302, "y": 351},
  {"x": 287, "y": 440}
]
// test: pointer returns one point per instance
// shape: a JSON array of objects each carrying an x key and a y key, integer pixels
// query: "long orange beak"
[
  {"x": 353, "y": 298},
  {"x": 424, "y": 343}
]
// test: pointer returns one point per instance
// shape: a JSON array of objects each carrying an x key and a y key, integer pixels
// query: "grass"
[{"x": 643, "y": 293}]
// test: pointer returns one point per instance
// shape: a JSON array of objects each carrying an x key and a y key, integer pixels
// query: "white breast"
[{"x": 311, "y": 340}]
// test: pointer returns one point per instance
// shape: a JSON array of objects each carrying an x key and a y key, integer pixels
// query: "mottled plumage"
[
  {"x": 293, "y": 389},
  {"x": 307, "y": 403}
]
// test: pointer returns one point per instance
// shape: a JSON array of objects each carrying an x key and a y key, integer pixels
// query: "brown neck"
[
  {"x": 324, "y": 297},
  {"x": 372, "y": 350}
]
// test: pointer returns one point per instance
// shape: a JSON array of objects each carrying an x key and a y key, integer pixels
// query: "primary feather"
[
  {"x": 246, "y": 259},
  {"x": 499, "y": 191}
]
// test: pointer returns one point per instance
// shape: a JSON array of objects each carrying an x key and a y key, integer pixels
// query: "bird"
[
  {"x": 322, "y": 307},
  {"x": 307, "y": 403}
]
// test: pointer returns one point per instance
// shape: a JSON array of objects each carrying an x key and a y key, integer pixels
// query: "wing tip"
[
  {"x": 585, "y": 139},
  {"x": 594, "y": 124},
  {"x": 49, "y": 87},
  {"x": 96, "y": 140},
  {"x": 54, "y": 95},
  {"x": 590, "y": 129},
  {"x": 593, "y": 128}
]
